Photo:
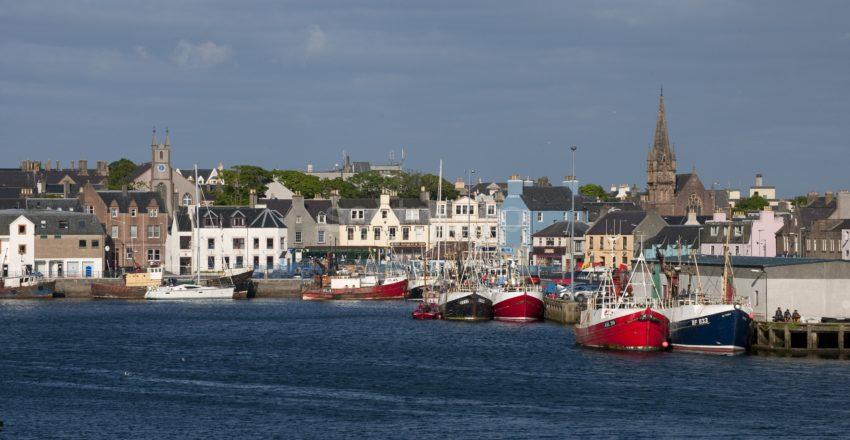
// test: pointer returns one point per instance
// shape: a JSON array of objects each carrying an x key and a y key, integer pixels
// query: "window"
[
  {"x": 269, "y": 262},
  {"x": 153, "y": 212},
  {"x": 451, "y": 232},
  {"x": 128, "y": 253},
  {"x": 226, "y": 262},
  {"x": 22, "y": 249},
  {"x": 154, "y": 231},
  {"x": 187, "y": 200},
  {"x": 133, "y": 212},
  {"x": 239, "y": 261},
  {"x": 238, "y": 243},
  {"x": 384, "y": 214},
  {"x": 63, "y": 224},
  {"x": 114, "y": 233},
  {"x": 738, "y": 231},
  {"x": 357, "y": 214},
  {"x": 256, "y": 243},
  {"x": 153, "y": 255},
  {"x": 134, "y": 231},
  {"x": 412, "y": 214},
  {"x": 282, "y": 242},
  {"x": 90, "y": 209},
  {"x": 550, "y": 241},
  {"x": 439, "y": 231},
  {"x": 298, "y": 236},
  {"x": 491, "y": 210},
  {"x": 478, "y": 232},
  {"x": 350, "y": 233},
  {"x": 321, "y": 218},
  {"x": 95, "y": 244},
  {"x": 441, "y": 209},
  {"x": 364, "y": 233},
  {"x": 298, "y": 219},
  {"x": 377, "y": 233},
  {"x": 270, "y": 243},
  {"x": 185, "y": 242},
  {"x": 113, "y": 212},
  {"x": 492, "y": 232},
  {"x": 320, "y": 237},
  {"x": 238, "y": 221},
  {"x": 808, "y": 244},
  {"x": 625, "y": 242},
  {"x": 464, "y": 232},
  {"x": 82, "y": 244},
  {"x": 210, "y": 221},
  {"x": 391, "y": 233},
  {"x": 211, "y": 243},
  {"x": 405, "y": 233},
  {"x": 539, "y": 216},
  {"x": 823, "y": 245},
  {"x": 256, "y": 261},
  {"x": 210, "y": 262}
]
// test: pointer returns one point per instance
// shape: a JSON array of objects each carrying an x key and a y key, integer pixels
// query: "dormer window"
[
  {"x": 357, "y": 214},
  {"x": 298, "y": 219},
  {"x": 90, "y": 209},
  {"x": 321, "y": 219},
  {"x": 738, "y": 231},
  {"x": 384, "y": 214},
  {"x": 441, "y": 210},
  {"x": 238, "y": 221},
  {"x": 113, "y": 212},
  {"x": 491, "y": 210},
  {"x": 210, "y": 221},
  {"x": 133, "y": 212},
  {"x": 153, "y": 212}
]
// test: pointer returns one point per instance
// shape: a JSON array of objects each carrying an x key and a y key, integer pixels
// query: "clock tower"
[{"x": 162, "y": 179}]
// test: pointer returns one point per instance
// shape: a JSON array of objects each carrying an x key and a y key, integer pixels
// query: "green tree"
[
  {"x": 371, "y": 184},
  {"x": 119, "y": 173},
  {"x": 800, "y": 201},
  {"x": 431, "y": 184},
  {"x": 594, "y": 191},
  {"x": 305, "y": 184},
  {"x": 239, "y": 181},
  {"x": 754, "y": 203}
]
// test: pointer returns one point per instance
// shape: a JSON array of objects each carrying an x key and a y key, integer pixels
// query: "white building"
[
  {"x": 229, "y": 237},
  {"x": 55, "y": 243},
  {"x": 453, "y": 221}
]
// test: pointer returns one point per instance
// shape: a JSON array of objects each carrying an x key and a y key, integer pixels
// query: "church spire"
[
  {"x": 153, "y": 139},
  {"x": 661, "y": 142},
  {"x": 167, "y": 140}
]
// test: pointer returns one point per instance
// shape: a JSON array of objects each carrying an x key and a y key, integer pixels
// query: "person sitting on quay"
[
  {"x": 777, "y": 317},
  {"x": 787, "y": 316},
  {"x": 795, "y": 316}
]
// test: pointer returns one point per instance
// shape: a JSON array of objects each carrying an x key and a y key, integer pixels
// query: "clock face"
[{"x": 161, "y": 168}]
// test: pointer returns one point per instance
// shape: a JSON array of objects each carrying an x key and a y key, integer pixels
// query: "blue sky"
[{"x": 502, "y": 87}]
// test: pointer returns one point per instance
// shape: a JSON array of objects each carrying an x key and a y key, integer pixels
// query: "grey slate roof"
[
  {"x": 359, "y": 203},
  {"x": 682, "y": 219},
  {"x": 55, "y": 204},
  {"x": 550, "y": 198},
  {"x": 141, "y": 169},
  {"x": 617, "y": 222},
  {"x": 124, "y": 199},
  {"x": 280, "y": 205},
  {"x": 47, "y": 222},
  {"x": 682, "y": 180},
  {"x": 562, "y": 229},
  {"x": 670, "y": 235},
  {"x": 407, "y": 203},
  {"x": 314, "y": 207},
  {"x": 224, "y": 215},
  {"x": 16, "y": 178}
]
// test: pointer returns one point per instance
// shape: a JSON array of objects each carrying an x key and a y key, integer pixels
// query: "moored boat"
[
  {"x": 518, "y": 304},
  {"x": 188, "y": 292},
  {"x": 241, "y": 282},
  {"x": 134, "y": 285},
  {"x": 467, "y": 305},
  {"x": 27, "y": 287},
  {"x": 625, "y": 328},
  {"x": 709, "y": 328},
  {"x": 357, "y": 288},
  {"x": 427, "y": 311}
]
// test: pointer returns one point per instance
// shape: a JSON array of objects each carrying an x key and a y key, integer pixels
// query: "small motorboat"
[{"x": 427, "y": 311}]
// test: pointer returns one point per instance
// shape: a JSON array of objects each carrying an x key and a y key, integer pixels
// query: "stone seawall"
[
  {"x": 81, "y": 287},
  {"x": 565, "y": 312}
]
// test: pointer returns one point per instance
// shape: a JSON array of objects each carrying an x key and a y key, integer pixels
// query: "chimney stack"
[
  {"x": 424, "y": 195},
  {"x": 66, "y": 189},
  {"x": 83, "y": 167},
  {"x": 124, "y": 190},
  {"x": 47, "y": 167},
  {"x": 252, "y": 198},
  {"x": 72, "y": 166},
  {"x": 828, "y": 197},
  {"x": 759, "y": 180}
]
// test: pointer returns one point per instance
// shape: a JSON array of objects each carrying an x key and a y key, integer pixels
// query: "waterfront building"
[
  {"x": 669, "y": 193},
  {"x": 136, "y": 224},
  {"x": 399, "y": 224},
  {"x": 528, "y": 209},
  {"x": 452, "y": 222},
  {"x": 54, "y": 243},
  {"x": 310, "y": 223},
  {"x": 828, "y": 238},
  {"x": 616, "y": 237},
  {"x": 673, "y": 242},
  {"x": 229, "y": 237},
  {"x": 750, "y": 236},
  {"x": 159, "y": 175},
  {"x": 551, "y": 245}
]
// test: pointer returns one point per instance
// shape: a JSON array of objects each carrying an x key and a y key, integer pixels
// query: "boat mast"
[
  {"x": 726, "y": 293},
  {"x": 197, "y": 231}
]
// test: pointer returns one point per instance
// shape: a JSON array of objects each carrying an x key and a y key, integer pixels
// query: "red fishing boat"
[
  {"x": 519, "y": 305},
  {"x": 427, "y": 311},
  {"x": 621, "y": 318},
  {"x": 367, "y": 288}
]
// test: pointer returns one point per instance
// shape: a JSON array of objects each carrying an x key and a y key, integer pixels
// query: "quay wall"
[
  {"x": 284, "y": 288},
  {"x": 81, "y": 287},
  {"x": 558, "y": 310},
  {"x": 789, "y": 338}
]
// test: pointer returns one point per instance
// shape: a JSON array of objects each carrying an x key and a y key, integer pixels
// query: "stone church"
[
  {"x": 668, "y": 193},
  {"x": 158, "y": 175}
]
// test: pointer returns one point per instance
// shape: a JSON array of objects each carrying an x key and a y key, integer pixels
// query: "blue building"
[
  {"x": 672, "y": 242},
  {"x": 528, "y": 209}
]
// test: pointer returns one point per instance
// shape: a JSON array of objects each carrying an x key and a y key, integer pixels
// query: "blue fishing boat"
[{"x": 709, "y": 328}]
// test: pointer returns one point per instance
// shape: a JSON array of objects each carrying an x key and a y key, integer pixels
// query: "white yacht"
[{"x": 189, "y": 291}]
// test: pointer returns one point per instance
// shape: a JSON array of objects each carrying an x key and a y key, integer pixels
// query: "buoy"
[
  {"x": 665, "y": 344},
  {"x": 183, "y": 359}
]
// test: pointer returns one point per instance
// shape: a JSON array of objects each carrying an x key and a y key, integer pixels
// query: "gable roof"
[
  {"x": 141, "y": 169},
  {"x": 562, "y": 229},
  {"x": 224, "y": 215},
  {"x": 47, "y": 222},
  {"x": 549, "y": 198},
  {"x": 358, "y": 203},
  {"x": 682, "y": 180},
  {"x": 314, "y": 207},
  {"x": 280, "y": 205},
  {"x": 124, "y": 199},
  {"x": 55, "y": 204},
  {"x": 407, "y": 203},
  {"x": 672, "y": 234},
  {"x": 617, "y": 223}
]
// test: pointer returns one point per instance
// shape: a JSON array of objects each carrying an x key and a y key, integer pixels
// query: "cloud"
[
  {"x": 316, "y": 42},
  {"x": 199, "y": 56}
]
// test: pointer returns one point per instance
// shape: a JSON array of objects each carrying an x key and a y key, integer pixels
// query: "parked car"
[{"x": 581, "y": 292}]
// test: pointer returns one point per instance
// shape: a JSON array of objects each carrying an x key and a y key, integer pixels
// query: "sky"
[{"x": 501, "y": 87}]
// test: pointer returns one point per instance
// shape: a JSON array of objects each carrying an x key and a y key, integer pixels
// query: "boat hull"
[
  {"x": 241, "y": 282},
  {"x": 167, "y": 294},
  {"x": 472, "y": 306},
  {"x": 110, "y": 291},
  {"x": 713, "y": 329},
  {"x": 625, "y": 329},
  {"x": 45, "y": 290},
  {"x": 518, "y": 306},
  {"x": 394, "y": 290}
]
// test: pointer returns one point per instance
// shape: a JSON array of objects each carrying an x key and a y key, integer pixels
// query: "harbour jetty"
[
  {"x": 560, "y": 311},
  {"x": 802, "y": 339},
  {"x": 264, "y": 288}
]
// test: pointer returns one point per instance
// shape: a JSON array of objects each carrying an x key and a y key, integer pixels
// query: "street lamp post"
[{"x": 572, "y": 221}]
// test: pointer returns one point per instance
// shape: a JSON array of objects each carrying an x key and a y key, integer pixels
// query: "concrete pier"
[
  {"x": 557, "y": 310},
  {"x": 800, "y": 339},
  {"x": 274, "y": 288}
]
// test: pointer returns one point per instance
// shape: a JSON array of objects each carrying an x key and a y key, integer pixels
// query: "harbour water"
[{"x": 296, "y": 369}]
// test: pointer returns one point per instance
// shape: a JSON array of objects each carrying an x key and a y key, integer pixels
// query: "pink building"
[{"x": 751, "y": 237}]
